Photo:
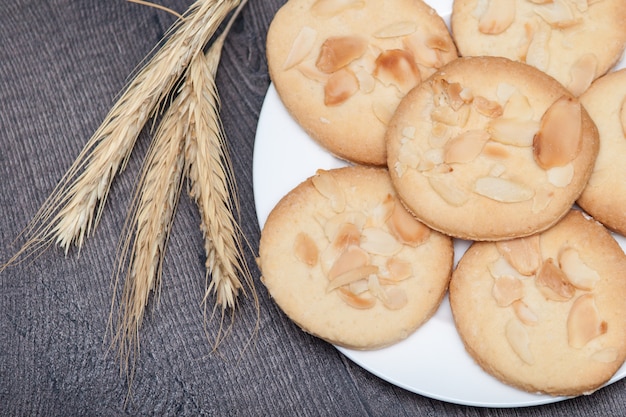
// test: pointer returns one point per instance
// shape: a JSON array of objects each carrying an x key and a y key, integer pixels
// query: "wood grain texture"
[{"x": 62, "y": 62}]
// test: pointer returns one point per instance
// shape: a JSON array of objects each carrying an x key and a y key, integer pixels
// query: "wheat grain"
[{"x": 74, "y": 207}]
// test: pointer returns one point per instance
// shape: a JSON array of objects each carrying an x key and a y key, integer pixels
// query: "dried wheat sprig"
[
  {"x": 74, "y": 207},
  {"x": 211, "y": 179},
  {"x": 147, "y": 228},
  {"x": 149, "y": 224}
]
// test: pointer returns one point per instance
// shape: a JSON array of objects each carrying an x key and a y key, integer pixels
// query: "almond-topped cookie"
[
  {"x": 341, "y": 66},
  {"x": 545, "y": 313},
  {"x": 346, "y": 262},
  {"x": 575, "y": 41},
  {"x": 490, "y": 149},
  {"x": 604, "y": 197}
]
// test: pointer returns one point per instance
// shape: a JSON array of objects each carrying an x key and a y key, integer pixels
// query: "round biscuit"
[
  {"x": 604, "y": 197},
  {"x": 559, "y": 37},
  {"x": 301, "y": 243},
  {"x": 463, "y": 150},
  {"x": 527, "y": 337},
  {"x": 402, "y": 41}
]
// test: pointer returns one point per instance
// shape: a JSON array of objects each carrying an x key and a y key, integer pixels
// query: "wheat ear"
[
  {"x": 149, "y": 223},
  {"x": 212, "y": 186},
  {"x": 147, "y": 228},
  {"x": 74, "y": 207}
]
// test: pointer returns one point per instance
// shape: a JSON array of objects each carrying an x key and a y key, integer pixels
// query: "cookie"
[
  {"x": 605, "y": 195},
  {"x": 574, "y": 41},
  {"x": 489, "y": 149},
  {"x": 545, "y": 313},
  {"x": 341, "y": 66},
  {"x": 344, "y": 260}
]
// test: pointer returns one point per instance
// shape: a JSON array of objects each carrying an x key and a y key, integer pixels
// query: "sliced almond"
[
  {"x": 342, "y": 223},
  {"x": 406, "y": 228},
  {"x": 552, "y": 282},
  {"x": 397, "y": 67},
  {"x": 449, "y": 190},
  {"x": 497, "y": 170},
  {"x": 411, "y": 157},
  {"x": 347, "y": 234},
  {"x": 582, "y": 74},
  {"x": 301, "y": 46},
  {"x": 305, "y": 249},
  {"x": 515, "y": 132},
  {"x": 497, "y": 18},
  {"x": 395, "y": 298},
  {"x": 439, "y": 134},
  {"x": 458, "y": 95},
  {"x": 366, "y": 80},
  {"x": 340, "y": 86},
  {"x": 518, "y": 107},
  {"x": 353, "y": 257},
  {"x": 445, "y": 115},
  {"x": 504, "y": 92},
  {"x": 396, "y": 29},
  {"x": 398, "y": 269},
  {"x": 327, "y": 185},
  {"x": 519, "y": 340},
  {"x": 561, "y": 176},
  {"x": 506, "y": 290},
  {"x": 559, "y": 139},
  {"x": 331, "y": 8},
  {"x": 465, "y": 147},
  {"x": 542, "y": 199},
  {"x": 426, "y": 48},
  {"x": 382, "y": 111},
  {"x": 606, "y": 355},
  {"x": 502, "y": 268},
  {"x": 524, "y": 313},
  {"x": 523, "y": 254},
  {"x": 381, "y": 212},
  {"x": 584, "y": 322},
  {"x": 310, "y": 71},
  {"x": 496, "y": 150},
  {"x": 358, "y": 287},
  {"x": 351, "y": 276},
  {"x": 558, "y": 14},
  {"x": 537, "y": 53},
  {"x": 486, "y": 107},
  {"x": 356, "y": 301},
  {"x": 338, "y": 51},
  {"x": 578, "y": 273},
  {"x": 378, "y": 242},
  {"x": 502, "y": 190}
]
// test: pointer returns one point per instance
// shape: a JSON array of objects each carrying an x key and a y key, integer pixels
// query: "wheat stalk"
[
  {"x": 209, "y": 170},
  {"x": 74, "y": 207},
  {"x": 189, "y": 140},
  {"x": 148, "y": 226}
]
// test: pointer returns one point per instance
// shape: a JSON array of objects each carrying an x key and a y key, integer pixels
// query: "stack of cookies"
[{"x": 491, "y": 132}]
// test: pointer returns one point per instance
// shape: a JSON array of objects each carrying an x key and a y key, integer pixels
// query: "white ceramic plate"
[{"x": 431, "y": 362}]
